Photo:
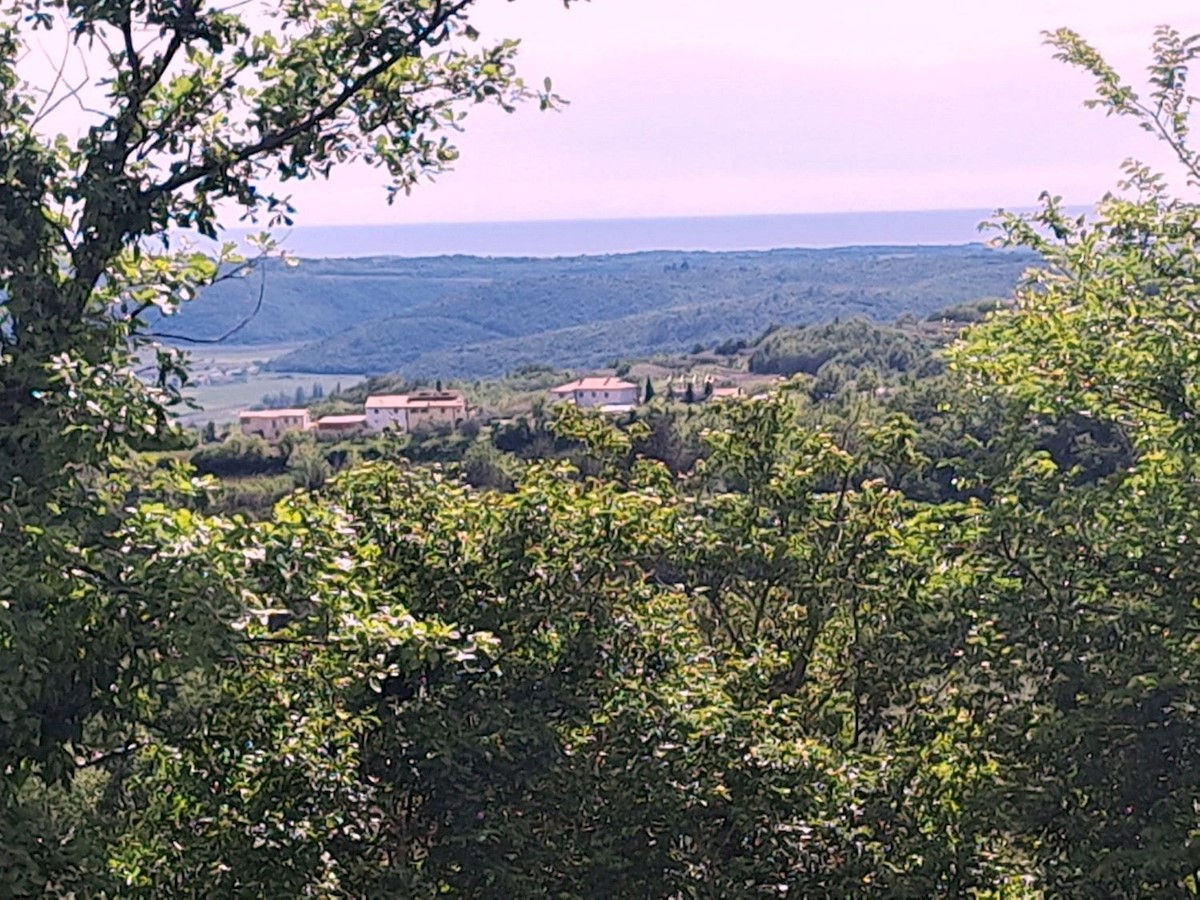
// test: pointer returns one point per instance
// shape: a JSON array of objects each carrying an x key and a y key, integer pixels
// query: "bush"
[{"x": 239, "y": 456}]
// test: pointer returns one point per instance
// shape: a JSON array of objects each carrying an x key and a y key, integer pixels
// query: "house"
[
  {"x": 419, "y": 411},
  {"x": 271, "y": 424},
  {"x": 725, "y": 393},
  {"x": 428, "y": 410},
  {"x": 340, "y": 426},
  {"x": 386, "y": 411},
  {"x": 610, "y": 394}
]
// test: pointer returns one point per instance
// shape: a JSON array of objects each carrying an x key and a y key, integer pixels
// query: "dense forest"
[
  {"x": 465, "y": 317},
  {"x": 920, "y": 622}
]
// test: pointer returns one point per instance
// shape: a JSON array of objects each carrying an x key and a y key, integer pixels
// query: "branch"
[
  {"x": 281, "y": 138},
  {"x": 235, "y": 272},
  {"x": 100, "y": 758},
  {"x": 131, "y": 54},
  {"x": 160, "y": 71},
  {"x": 72, "y": 92},
  {"x": 58, "y": 76},
  {"x": 1178, "y": 147},
  {"x": 62, "y": 233},
  {"x": 262, "y": 287}
]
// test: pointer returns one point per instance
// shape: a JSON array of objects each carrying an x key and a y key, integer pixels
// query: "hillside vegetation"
[
  {"x": 921, "y": 618},
  {"x": 469, "y": 317}
]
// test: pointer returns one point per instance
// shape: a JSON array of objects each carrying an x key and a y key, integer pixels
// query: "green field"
[{"x": 221, "y": 401}]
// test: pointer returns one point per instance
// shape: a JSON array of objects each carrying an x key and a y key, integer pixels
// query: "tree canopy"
[
  {"x": 201, "y": 109},
  {"x": 790, "y": 668}
]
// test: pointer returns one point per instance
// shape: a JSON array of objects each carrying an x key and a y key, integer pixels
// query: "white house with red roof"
[
  {"x": 598, "y": 391},
  {"x": 415, "y": 412}
]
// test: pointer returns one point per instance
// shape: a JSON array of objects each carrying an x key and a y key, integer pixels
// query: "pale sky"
[
  {"x": 703, "y": 107},
  {"x": 713, "y": 107}
]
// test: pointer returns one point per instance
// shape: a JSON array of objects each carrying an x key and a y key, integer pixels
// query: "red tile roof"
[
  {"x": 272, "y": 413},
  {"x": 594, "y": 383},
  {"x": 419, "y": 400}
]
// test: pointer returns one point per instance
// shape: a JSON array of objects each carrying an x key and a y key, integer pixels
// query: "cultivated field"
[{"x": 230, "y": 379}]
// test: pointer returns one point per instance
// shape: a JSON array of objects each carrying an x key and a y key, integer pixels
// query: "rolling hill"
[{"x": 470, "y": 317}]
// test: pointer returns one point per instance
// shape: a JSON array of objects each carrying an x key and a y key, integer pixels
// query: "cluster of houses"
[
  {"x": 446, "y": 410},
  {"x": 616, "y": 396},
  {"x": 418, "y": 411}
]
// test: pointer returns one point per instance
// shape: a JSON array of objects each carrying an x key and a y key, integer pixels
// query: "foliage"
[
  {"x": 1099, "y": 578},
  {"x": 934, "y": 640},
  {"x": 564, "y": 689},
  {"x": 204, "y": 106},
  {"x": 856, "y": 343},
  {"x": 239, "y": 456},
  {"x": 968, "y": 313}
]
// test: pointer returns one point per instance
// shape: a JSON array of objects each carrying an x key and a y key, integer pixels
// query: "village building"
[
  {"x": 271, "y": 424},
  {"x": 333, "y": 427},
  {"x": 429, "y": 410},
  {"x": 418, "y": 411},
  {"x": 607, "y": 393},
  {"x": 386, "y": 411},
  {"x": 725, "y": 393}
]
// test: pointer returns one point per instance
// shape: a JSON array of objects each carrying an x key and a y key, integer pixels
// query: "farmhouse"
[
  {"x": 430, "y": 409},
  {"x": 610, "y": 394},
  {"x": 419, "y": 411},
  {"x": 387, "y": 411},
  {"x": 725, "y": 393},
  {"x": 270, "y": 424},
  {"x": 340, "y": 426}
]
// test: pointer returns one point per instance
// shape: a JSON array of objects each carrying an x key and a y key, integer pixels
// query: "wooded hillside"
[{"x": 469, "y": 317}]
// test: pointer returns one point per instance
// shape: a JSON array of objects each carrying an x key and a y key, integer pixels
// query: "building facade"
[
  {"x": 386, "y": 411},
  {"x": 430, "y": 410},
  {"x": 598, "y": 391},
  {"x": 271, "y": 424},
  {"x": 333, "y": 427},
  {"x": 418, "y": 411}
]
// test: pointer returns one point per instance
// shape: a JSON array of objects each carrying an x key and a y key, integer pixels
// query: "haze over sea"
[{"x": 599, "y": 236}]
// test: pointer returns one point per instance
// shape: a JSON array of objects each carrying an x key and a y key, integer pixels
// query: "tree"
[
  {"x": 664, "y": 696},
  {"x": 649, "y": 394},
  {"x": 205, "y": 109},
  {"x": 1097, "y": 580},
  {"x": 778, "y": 674}
]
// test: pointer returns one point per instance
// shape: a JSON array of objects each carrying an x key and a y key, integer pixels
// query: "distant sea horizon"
[{"x": 591, "y": 237}]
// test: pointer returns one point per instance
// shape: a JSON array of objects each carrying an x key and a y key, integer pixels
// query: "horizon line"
[{"x": 667, "y": 217}]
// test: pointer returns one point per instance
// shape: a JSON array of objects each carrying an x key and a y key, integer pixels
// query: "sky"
[{"x": 714, "y": 107}]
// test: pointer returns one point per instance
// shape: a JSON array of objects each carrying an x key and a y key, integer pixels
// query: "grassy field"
[{"x": 221, "y": 400}]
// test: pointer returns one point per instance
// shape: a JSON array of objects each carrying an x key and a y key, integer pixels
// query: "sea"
[{"x": 582, "y": 237}]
